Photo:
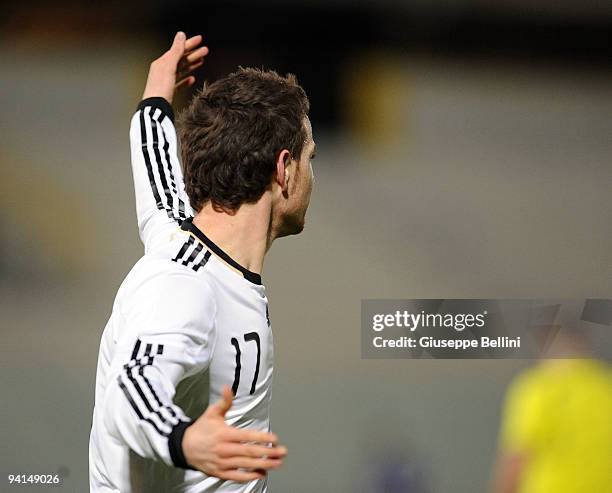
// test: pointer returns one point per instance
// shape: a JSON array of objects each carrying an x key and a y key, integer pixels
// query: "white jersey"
[{"x": 186, "y": 320}]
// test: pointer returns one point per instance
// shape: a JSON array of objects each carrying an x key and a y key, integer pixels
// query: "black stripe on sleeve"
[
  {"x": 166, "y": 146},
  {"x": 136, "y": 349},
  {"x": 150, "y": 161},
  {"x": 147, "y": 160},
  {"x": 202, "y": 262},
  {"x": 141, "y": 369},
  {"x": 183, "y": 250},
  {"x": 160, "y": 166},
  {"x": 189, "y": 258},
  {"x": 194, "y": 254},
  {"x": 175, "y": 436},
  {"x": 139, "y": 364},
  {"x": 129, "y": 371},
  {"x": 135, "y": 407}
]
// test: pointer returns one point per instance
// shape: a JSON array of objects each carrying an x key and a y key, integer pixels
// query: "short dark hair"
[{"x": 233, "y": 131}]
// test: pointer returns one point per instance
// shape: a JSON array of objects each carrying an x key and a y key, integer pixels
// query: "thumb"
[
  {"x": 178, "y": 45},
  {"x": 220, "y": 407}
]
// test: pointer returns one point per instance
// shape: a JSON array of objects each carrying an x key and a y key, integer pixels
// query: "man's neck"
[{"x": 244, "y": 235}]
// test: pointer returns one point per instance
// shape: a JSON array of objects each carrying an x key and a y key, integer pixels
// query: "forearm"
[
  {"x": 139, "y": 411},
  {"x": 158, "y": 179}
]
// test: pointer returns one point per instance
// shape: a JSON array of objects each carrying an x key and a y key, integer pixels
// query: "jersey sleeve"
[
  {"x": 167, "y": 337},
  {"x": 161, "y": 201}
]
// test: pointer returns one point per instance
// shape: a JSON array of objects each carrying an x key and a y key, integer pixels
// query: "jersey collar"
[{"x": 188, "y": 225}]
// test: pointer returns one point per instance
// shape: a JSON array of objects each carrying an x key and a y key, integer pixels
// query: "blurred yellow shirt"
[{"x": 559, "y": 416}]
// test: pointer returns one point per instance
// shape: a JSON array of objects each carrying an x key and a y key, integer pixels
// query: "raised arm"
[{"x": 161, "y": 202}]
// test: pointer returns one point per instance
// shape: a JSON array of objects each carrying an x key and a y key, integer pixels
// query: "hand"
[
  {"x": 219, "y": 450},
  {"x": 176, "y": 64}
]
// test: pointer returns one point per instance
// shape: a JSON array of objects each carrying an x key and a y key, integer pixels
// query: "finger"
[
  {"x": 240, "y": 476},
  {"x": 220, "y": 407},
  {"x": 186, "y": 82},
  {"x": 181, "y": 76},
  {"x": 251, "y": 450},
  {"x": 183, "y": 71},
  {"x": 196, "y": 54},
  {"x": 178, "y": 45},
  {"x": 240, "y": 435},
  {"x": 227, "y": 397},
  {"x": 192, "y": 42},
  {"x": 249, "y": 463}
]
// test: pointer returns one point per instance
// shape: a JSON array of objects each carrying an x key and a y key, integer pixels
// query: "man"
[
  {"x": 190, "y": 325},
  {"x": 556, "y": 435}
]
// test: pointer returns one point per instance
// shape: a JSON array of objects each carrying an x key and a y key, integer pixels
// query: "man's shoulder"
[
  {"x": 179, "y": 252},
  {"x": 172, "y": 268},
  {"x": 160, "y": 285}
]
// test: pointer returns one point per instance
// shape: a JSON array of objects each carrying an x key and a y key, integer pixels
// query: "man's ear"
[{"x": 282, "y": 173}]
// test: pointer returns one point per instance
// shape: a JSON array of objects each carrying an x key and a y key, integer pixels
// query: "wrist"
[
  {"x": 175, "y": 445},
  {"x": 158, "y": 102}
]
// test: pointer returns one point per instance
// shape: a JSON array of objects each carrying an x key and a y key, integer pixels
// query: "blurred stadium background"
[{"x": 464, "y": 151}]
